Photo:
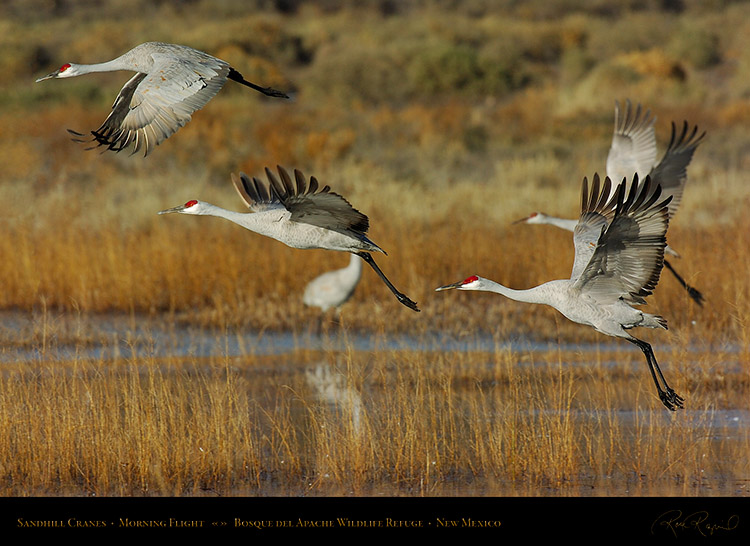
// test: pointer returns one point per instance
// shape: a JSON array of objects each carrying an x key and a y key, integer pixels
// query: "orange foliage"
[
  {"x": 653, "y": 62},
  {"x": 324, "y": 147},
  {"x": 734, "y": 113}
]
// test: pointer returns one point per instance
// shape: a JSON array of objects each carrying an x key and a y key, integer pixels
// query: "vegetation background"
[{"x": 443, "y": 121}]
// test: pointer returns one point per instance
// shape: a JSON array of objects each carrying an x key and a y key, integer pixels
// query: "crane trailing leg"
[
  {"x": 694, "y": 293},
  {"x": 668, "y": 396},
  {"x": 399, "y": 296},
  {"x": 234, "y": 75}
]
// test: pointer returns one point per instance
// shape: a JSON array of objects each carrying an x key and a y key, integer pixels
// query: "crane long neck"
[
  {"x": 251, "y": 221},
  {"x": 563, "y": 223},
  {"x": 537, "y": 294},
  {"x": 355, "y": 264},
  {"x": 108, "y": 66}
]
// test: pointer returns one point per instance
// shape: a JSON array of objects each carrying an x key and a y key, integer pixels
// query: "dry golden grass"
[
  {"x": 211, "y": 271},
  {"x": 354, "y": 423}
]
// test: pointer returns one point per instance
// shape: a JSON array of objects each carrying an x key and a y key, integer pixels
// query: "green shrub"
[
  {"x": 695, "y": 45},
  {"x": 445, "y": 68}
]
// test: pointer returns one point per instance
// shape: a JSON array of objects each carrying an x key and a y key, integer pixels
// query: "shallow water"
[
  {"x": 113, "y": 336},
  {"x": 43, "y": 340},
  {"x": 109, "y": 336}
]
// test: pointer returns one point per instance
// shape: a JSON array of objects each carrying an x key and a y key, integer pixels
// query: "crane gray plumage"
[
  {"x": 309, "y": 204},
  {"x": 301, "y": 215},
  {"x": 628, "y": 236},
  {"x": 171, "y": 82},
  {"x": 332, "y": 289},
  {"x": 633, "y": 148},
  {"x": 633, "y": 152},
  {"x": 619, "y": 254}
]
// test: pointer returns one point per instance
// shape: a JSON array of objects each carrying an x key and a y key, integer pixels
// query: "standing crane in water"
[
  {"x": 619, "y": 252},
  {"x": 300, "y": 215},
  {"x": 333, "y": 288},
  {"x": 171, "y": 82},
  {"x": 633, "y": 152}
]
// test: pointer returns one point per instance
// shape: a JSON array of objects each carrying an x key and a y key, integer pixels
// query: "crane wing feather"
[
  {"x": 671, "y": 172},
  {"x": 633, "y": 152},
  {"x": 597, "y": 210},
  {"x": 151, "y": 107},
  {"x": 629, "y": 254},
  {"x": 307, "y": 203},
  {"x": 256, "y": 195},
  {"x": 327, "y": 210},
  {"x": 633, "y": 149}
]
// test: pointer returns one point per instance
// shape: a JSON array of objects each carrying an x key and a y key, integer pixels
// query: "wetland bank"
[{"x": 347, "y": 413}]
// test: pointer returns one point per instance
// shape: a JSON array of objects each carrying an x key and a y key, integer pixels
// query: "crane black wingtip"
[{"x": 78, "y": 137}]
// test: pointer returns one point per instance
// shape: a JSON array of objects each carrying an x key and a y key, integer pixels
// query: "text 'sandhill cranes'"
[
  {"x": 171, "y": 82},
  {"x": 300, "y": 215},
  {"x": 619, "y": 252}
]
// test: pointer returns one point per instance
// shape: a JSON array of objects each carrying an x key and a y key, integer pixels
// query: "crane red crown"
[
  {"x": 64, "y": 67},
  {"x": 471, "y": 279},
  {"x": 191, "y": 203}
]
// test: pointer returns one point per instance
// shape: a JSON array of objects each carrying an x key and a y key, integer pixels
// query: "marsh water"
[
  {"x": 35, "y": 336},
  {"x": 45, "y": 339}
]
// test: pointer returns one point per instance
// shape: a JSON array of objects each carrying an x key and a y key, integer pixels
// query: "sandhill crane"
[
  {"x": 333, "y": 288},
  {"x": 633, "y": 151},
  {"x": 171, "y": 82},
  {"x": 300, "y": 215},
  {"x": 619, "y": 249}
]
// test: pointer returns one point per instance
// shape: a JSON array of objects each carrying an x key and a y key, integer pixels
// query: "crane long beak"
[
  {"x": 449, "y": 286},
  {"x": 173, "y": 209},
  {"x": 520, "y": 221},
  {"x": 47, "y": 77}
]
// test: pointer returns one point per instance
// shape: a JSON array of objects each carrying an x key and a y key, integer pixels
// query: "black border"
[{"x": 662, "y": 518}]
